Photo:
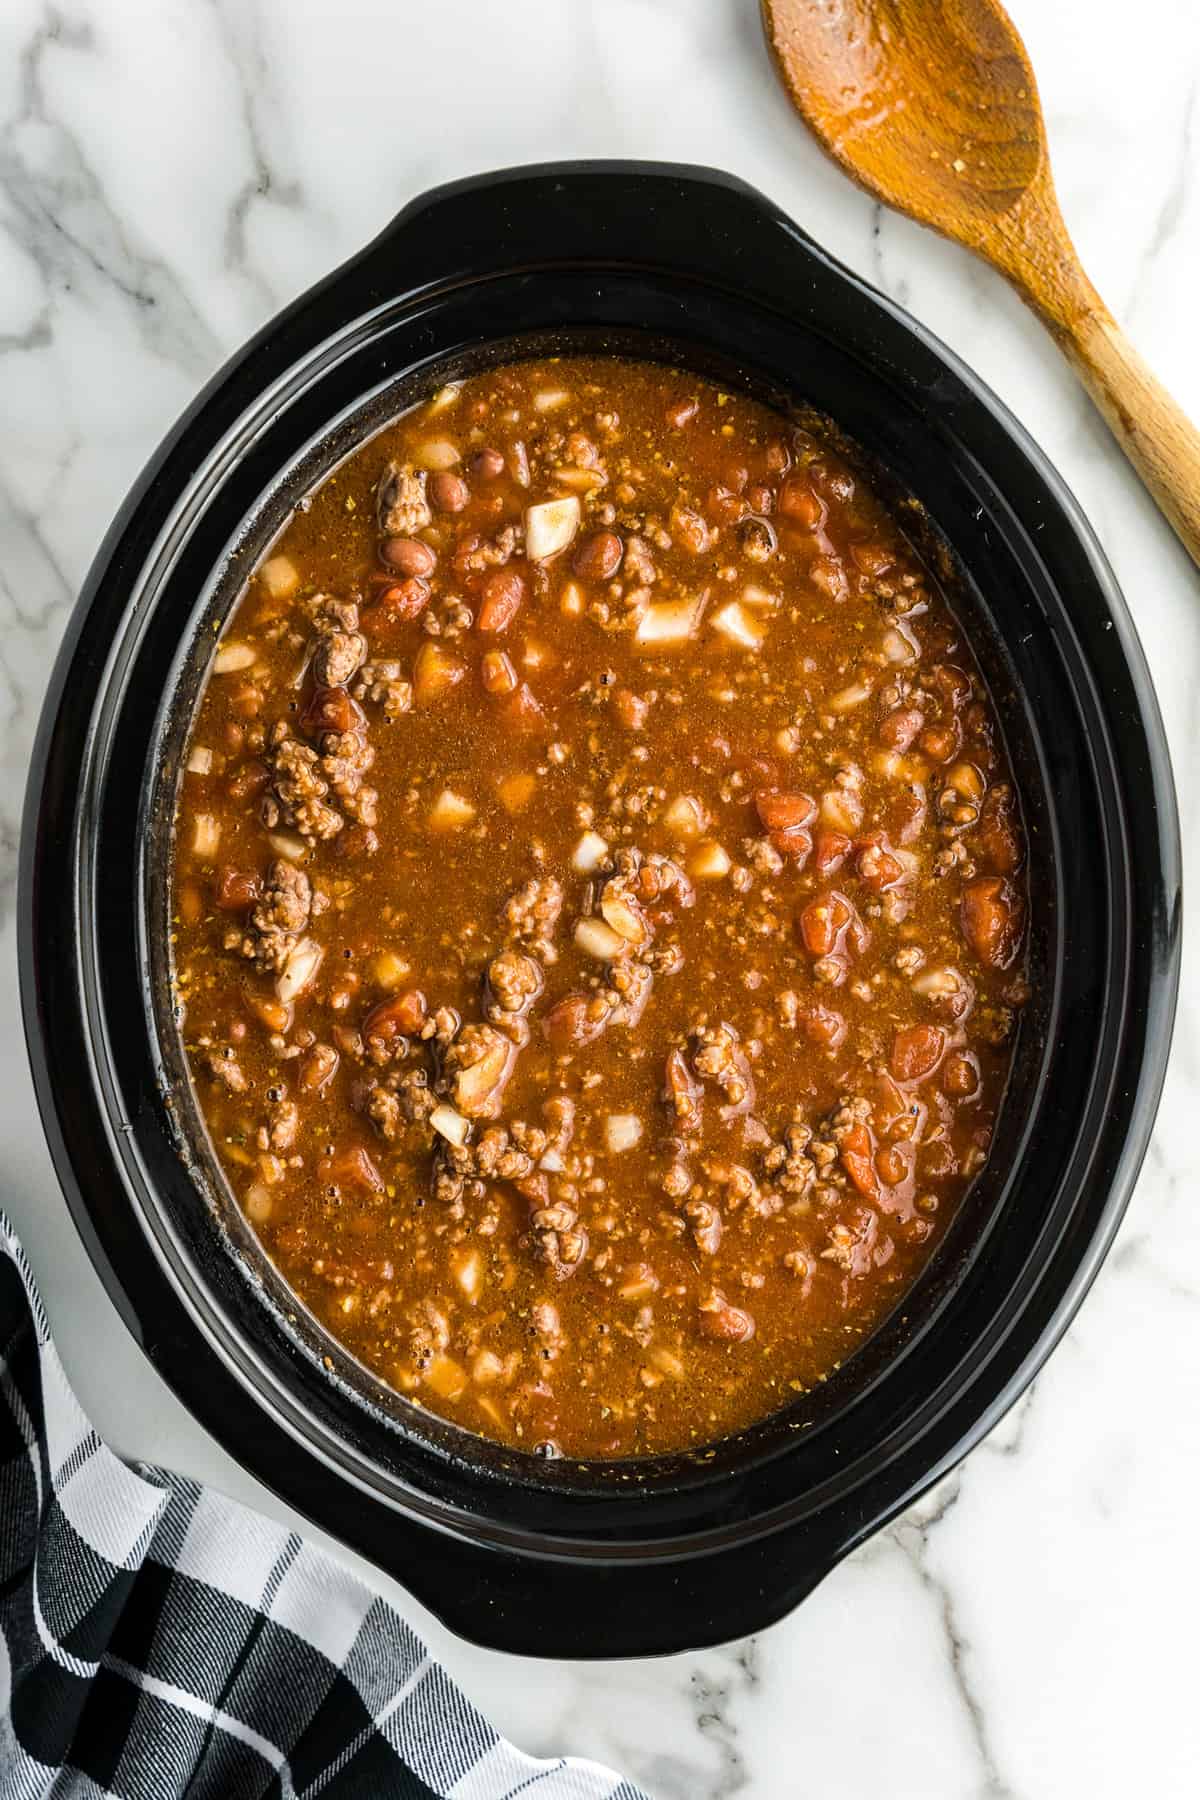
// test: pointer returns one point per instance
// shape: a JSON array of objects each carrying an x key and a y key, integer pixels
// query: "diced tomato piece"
[
  {"x": 402, "y": 600},
  {"x": 877, "y": 866},
  {"x": 917, "y": 1051},
  {"x": 352, "y": 1168},
  {"x": 857, "y": 1160},
  {"x": 575, "y": 1020},
  {"x": 823, "y": 922},
  {"x": 401, "y": 1016},
  {"x": 331, "y": 709},
  {"x": 497, "y": 672},
  {"x": 237, "y": 889},
  {"x": 993, "y": 918},
  {"x": 522, "y": 711},
  {"x": 795, "y": 845},
  {"x": 830, "y": 849},
  {"x": 780, "y": 811}
]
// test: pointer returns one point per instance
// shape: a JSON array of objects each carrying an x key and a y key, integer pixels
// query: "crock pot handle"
[{"x": 571, "y": 212}]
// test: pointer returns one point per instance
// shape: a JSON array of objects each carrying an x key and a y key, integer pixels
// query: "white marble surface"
[{"x": 171, "y": 171}]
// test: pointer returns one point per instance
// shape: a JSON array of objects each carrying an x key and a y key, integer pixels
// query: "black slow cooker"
[{"x": 560, "y": 1558}]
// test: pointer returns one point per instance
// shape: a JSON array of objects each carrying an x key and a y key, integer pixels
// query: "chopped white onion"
[
  {"x": 739, "y": 626},
  {"x": 468, "y": 1272},
  {"x": 842, "y": 810},
  {"x": 900, "y": 645},
  {"x": 624, "y": 917},
  {"x": 709, "y": 862},
  {"x": 447, "y": 1378},
  {"x": 206, "y": 836},
  {"x": 552, "y": 1163},
  {"x": 584, "y": 480},
  {"x": 590, "y": 852},
  {"x": 230, "y": 658},
  {"x": 437, "y": 453},
  {"x": 450, "y": 812},
  {"x": 516, "y": 791},
  {"x": 847, "y": 698},
  {"x": 259, "y": 1203},
  {"x": 538, "y": 655},
  {"x": 288, "y": 844},
  {"x": 669, "y": 621},
  {"x": 571, "y": 599},
  {"x": 451, "y": 1125},
  {"x": 390, "y": 971},
  {"x": 595, "y": 938},
  {"x": 938, "y": 984},
  {"x": 686, "y": 816},
  {"x": 550, "y": 526},
  {"x": 753, "y": 595},
  {"x": 444, "y": 398},
  {"x": 299, "y": 971},
  {"x": 280, "y": 576},
  {"x": 200, "y": 761},
  {"x": 486, "y": 1367},
  {"x": 550, "y": 398},
  {"x": 622, "y": 1131}
]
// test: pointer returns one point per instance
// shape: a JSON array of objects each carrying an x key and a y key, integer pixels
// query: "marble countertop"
[{"x": 173, "y": 171}]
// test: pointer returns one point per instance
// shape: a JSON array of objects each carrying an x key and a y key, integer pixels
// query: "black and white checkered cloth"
[{"x": 158, "y": 1640}]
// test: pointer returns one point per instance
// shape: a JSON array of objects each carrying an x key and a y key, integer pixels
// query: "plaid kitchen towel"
[{"x": 158, "y": 1640}]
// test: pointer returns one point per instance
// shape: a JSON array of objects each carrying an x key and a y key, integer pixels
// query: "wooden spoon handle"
[
  {"x": 1152, "y": 429},
  {"x": 1154, "y": 432}
]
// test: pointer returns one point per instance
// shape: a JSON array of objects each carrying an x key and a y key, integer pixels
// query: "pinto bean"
[
  {"x": 447, "y": 492},
  {"x": 899, "y": 729},
  {"x": 598, "y": 556},
  {"x": 997, "y": 840},
  {"x": 489, "y": 465},
  {"x": 248, "y": 779},
  {"x": 408, "y": 556},
  {"x": 352, "y": 1168},
  {"x": 726, "y": 1323},
  {"x": 503, "y": 597},
  {"x": 576, "y": 1020},
  {"x": 941, "y": 742},
  {"x": 798, "y": 503},
  {"x": 724, "y": 506},
  {"x": 498, "y": 673},
  {"x": 690, "y": 531},
  {"x": 318, "y": 1068}
]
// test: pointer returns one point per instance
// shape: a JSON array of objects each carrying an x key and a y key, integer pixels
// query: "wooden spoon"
[{"x": 931, "y": 105}]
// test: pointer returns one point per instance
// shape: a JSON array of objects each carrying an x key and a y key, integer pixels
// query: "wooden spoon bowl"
[{"x": 932, "y": 107}]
